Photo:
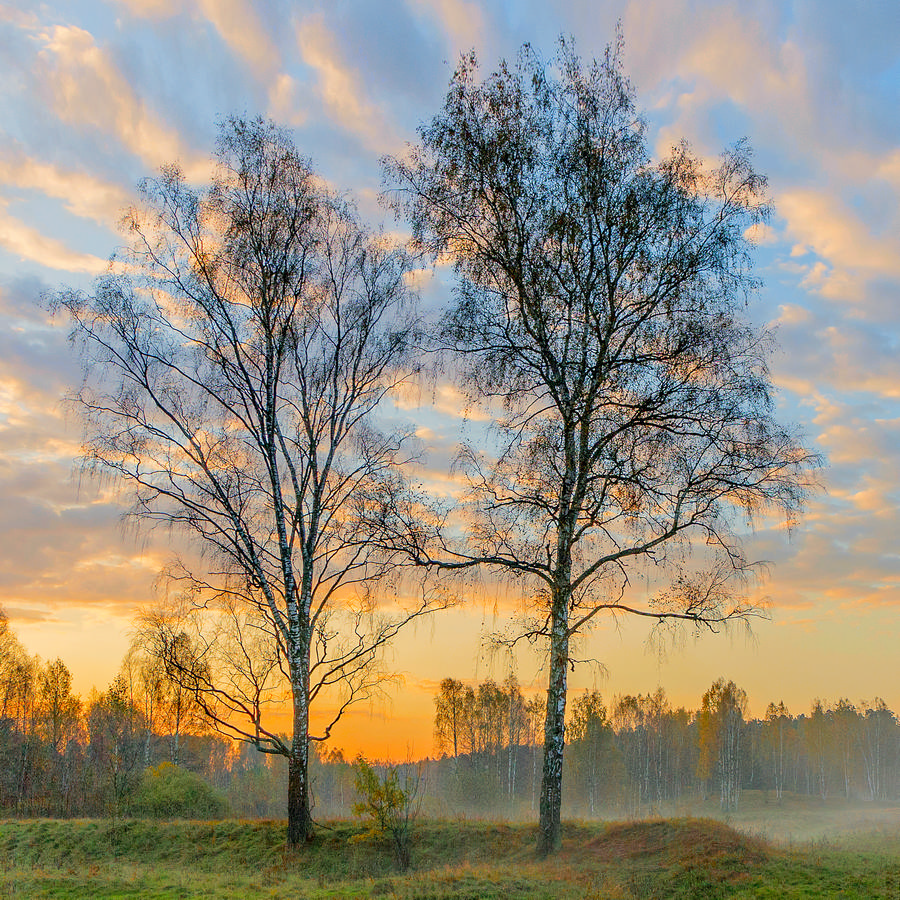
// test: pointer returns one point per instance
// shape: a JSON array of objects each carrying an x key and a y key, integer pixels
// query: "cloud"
[
  {"x": 62, "y": 545},
  {"x": 820, "y": 221},
  {"x": 151, "y": 9},
  {"x": 83, "y": 194},
  {"x": 241, "y": 29},
  {"x": 888, "y": 168},
  {"x": 694, "y": 55},
  {"x": 445, "y": 399},
  {"x": 237, "y": 22},
  {"x": 26, "y": 242},
  {"x": 462, "y": 21},
  {"x": 823, "y": 355},
  {"x": 284, "y": 101},
  {"x": 84, "y": 87},
  {"x": 761, "y": 234},
  {"x": 341, "y": 89},
  {"x": 19, "y": 17},
  {"x": 759, "y": 73},
  {"x": 17, "y": 615}
]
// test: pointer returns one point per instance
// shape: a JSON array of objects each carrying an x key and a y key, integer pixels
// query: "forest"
[{"x": 141, "y": 747}]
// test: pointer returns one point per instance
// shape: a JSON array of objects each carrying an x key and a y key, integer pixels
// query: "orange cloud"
[
  {"x": 83, "y": 195},
  {"x": 28, "y": 243},
  {"x": 445, "y": 399},
  {"x": 285, "y": 104},
  {"x": 239, "y": 26},
  {"x": 835, "y": 233},
  {"x": 236, "y": 21},
  {"x": 725, "y": 53},
  {"x": 86, "y": 90},
  {"x": 341, "y": 89},
  {"x": 462, "y": 20},
  {"x": 151, "y": 9}
]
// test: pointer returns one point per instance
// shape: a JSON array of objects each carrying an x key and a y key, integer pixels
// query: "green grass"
[{"x": 661, "y": 858}]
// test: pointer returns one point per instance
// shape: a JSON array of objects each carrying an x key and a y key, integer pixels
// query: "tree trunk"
[
  {"x": 299, "y": 814},
  {"x": 549, "y": 835}
]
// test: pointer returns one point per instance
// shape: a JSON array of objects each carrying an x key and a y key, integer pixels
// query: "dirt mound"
[{"x": 678, "y": 841}]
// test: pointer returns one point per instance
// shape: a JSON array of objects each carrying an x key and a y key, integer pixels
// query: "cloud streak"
[
  {"x": 85, "y": 89},
  {"x": 82, "y": 193},
  {"x": 25, "y": 242}
]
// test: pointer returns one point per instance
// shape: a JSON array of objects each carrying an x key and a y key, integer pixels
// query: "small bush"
[
  {"x": 389, "y": 808},
  {"x": 167, "y": 791}
]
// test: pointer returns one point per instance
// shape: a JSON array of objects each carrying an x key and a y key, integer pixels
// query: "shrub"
[
  {"x": 389, "y": 807},
  {"x": 167, "y": 791}
]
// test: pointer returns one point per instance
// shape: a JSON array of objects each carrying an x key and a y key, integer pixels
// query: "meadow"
[{"x": 798, "y": 849}]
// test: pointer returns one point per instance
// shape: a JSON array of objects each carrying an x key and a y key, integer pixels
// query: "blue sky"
[{"x": 96, "y": 95}]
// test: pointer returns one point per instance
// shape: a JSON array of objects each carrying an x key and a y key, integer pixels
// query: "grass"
[
  {"x": 797, "y": 818},
  {"x": 660, "y": 858}
]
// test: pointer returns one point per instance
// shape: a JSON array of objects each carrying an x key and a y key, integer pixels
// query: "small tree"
[
  {"x": 600, "y": 310},
  {"x": 452, "y": 708},
  {"x": 819, "y": 741},
  {"x": 389, "y": 806},
  {"x": 592, "y": 752},
  {"x": 115, "y": 728},
  {"x": 878, "y": 745},
  {"x": 59, "y": 710}
]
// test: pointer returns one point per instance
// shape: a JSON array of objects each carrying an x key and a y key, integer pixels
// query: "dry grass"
[{"x": 660, "y": 858}]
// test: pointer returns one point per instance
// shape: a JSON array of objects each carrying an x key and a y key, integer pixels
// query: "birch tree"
[
  {"x": 233, "y": 366},
  {"x": 453, "y": 707},
  {"x": 591, "y": 747},
  {"x": 777, "y": 722},
  {"x": 599, "y": 317},
  {"x": 878, "y": 745},
  {"x": 720, "y": 729}
]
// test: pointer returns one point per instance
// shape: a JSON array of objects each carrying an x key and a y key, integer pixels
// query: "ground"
[{"x": 810, "y": 850}]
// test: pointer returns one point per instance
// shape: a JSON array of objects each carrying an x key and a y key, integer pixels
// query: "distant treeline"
[
  {"x": 640, "y": 754},
  {"x": 61, "y": 755}
]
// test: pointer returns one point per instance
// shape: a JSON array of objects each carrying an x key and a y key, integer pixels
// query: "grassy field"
[
  {"x": 660, "y": 858},
  {"x": 797, "y": 818}
]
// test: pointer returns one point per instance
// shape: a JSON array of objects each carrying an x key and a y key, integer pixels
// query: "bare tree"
[
  {"x": 599, "y": 305},
  {"x": 231, "y": 372}
]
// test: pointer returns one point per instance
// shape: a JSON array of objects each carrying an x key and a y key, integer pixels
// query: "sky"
[{"x": 97, "y": 95}]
